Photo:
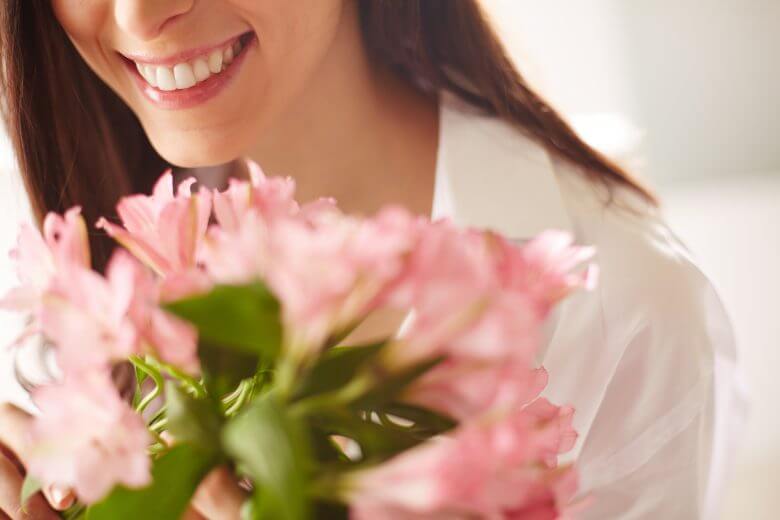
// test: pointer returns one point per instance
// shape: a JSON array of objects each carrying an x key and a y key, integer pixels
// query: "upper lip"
[{"x": 148, "y": 58}]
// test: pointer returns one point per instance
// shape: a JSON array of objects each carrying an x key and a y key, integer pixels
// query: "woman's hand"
[
  {"x": 219, "y": 497},
  {"x": 14, "y": 425}
]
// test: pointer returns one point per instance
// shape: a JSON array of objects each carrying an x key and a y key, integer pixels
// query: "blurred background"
[{"x": 686, "y": 93}]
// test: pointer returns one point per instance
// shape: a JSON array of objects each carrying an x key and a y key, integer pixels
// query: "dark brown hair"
[{"x": 77, "y": 143}]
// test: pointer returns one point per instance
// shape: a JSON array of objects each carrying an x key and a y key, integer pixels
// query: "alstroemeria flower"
[
  {"x": 546, "y": 267},
  {"x": 163, "y": 230},
  {"x": 484, "y": 469},
  {"x": 270, "y": 196},
  {"x": 447, "y": 283},
  {"x": 87, "y": 438},
  {"x": 467, "y": 388},
  {"x": 160, "y": 333},
  {"x": 37, "y": 257},
  {"x": 326, "y": 268},
  {"x": 477, "y": 295},
  {"x": 331, "y": 273},
  {"x": 87, "y": 317},
  {"x": 94, "y": 321}
]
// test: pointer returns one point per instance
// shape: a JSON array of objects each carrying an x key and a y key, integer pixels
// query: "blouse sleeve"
[{"x": 660, "y": 407}]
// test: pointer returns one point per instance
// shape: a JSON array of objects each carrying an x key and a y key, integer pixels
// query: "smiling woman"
[
  {"x": 300, "y": 56},
  {"x": 376, "y": 102},
  {"x": 190, "y": 78}
]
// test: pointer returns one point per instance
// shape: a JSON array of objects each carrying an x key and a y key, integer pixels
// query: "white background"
[
  {"x": 698, "y": 79},
  {"x": 686, "y": 92}
]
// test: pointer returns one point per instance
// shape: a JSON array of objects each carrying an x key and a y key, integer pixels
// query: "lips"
[{"x": 190, "y": 78}]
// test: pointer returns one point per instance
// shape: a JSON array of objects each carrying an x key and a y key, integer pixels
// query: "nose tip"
[{"x": 146, "y": 19}]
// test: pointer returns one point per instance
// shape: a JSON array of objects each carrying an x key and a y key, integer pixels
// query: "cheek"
[
  {"x": 295, "y": 36},
  {"x": 81, "y": 19}
]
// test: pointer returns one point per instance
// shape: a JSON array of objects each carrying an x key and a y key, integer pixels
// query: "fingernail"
[{"x": 62, "y": 497}]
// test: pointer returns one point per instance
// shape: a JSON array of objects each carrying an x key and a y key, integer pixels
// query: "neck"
[{"x": 357, "y": 133}]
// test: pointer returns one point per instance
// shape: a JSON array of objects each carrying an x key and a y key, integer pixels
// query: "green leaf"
[
  {"x": 270, "y": 446},
  {"x": 30, "y": 486},
  {"x": 336, "y": 368},
  {"x": 377, "y": 442},
  {"x": 330, "y": 511},
  {"x": 175, "y": 476},
  {"x": 77, "y": 511},
  {"x": 190, "y": 420},
  {"x": 223, "y": 369},
  {"x": 393, "y": 385},
  {"x": 426, "y": 422},
  {"x": 140, "y": 377},
  {"x": 241, "y": 317}
]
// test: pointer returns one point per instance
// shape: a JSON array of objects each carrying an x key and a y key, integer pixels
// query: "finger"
[
  {"x": 10, "y": 496},
  {"x": 219, "y": 496},
  {"x": 192, "y": 514},
  {"x": 14, "y": 428}
]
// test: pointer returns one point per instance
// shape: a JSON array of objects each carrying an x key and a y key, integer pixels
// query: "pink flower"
[
  {"x": 465, "y": 388},
  {"x": 327, "y": 269},
  {"x": 38, "y": 258},
  {"x": 332, "y": 273},
  {"x": 86, "y": 437},
  {"x": 447, "y": 284},
  {"x": 487, "y": 469},
  {"x": 476, "y": 295},
  {"x": 162, "y": 230},
  {"x": 160, "y": 333},
  {"x": 86, "y": 316},
  {"x": 270, "y": 196},
  {"x": 238, "y": 255},
  {"x": 546, "y": 267},
  {"x": 95, "y": 321}
]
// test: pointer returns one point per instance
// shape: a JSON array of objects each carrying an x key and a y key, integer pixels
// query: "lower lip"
[{"x": 196, "y": 95}]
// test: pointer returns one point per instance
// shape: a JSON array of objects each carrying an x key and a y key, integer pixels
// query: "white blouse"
[{"x": 647, "y": 359}]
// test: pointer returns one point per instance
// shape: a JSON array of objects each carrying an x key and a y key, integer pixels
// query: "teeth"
[
  {"x": 201, "y": 70},
  {"x": 215, "y": 62},
  {"x": 165, "y": 79},
  {"x": 186, "y": 75},
  {"x": 150, "y": 74}
]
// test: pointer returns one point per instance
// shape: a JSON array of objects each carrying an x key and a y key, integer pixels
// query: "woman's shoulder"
[
  {"x": 493, "y": 175},
  {"x": 647, "y": 274}
]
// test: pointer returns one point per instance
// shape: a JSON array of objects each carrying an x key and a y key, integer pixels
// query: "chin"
[{"x": 197, "y": 152}]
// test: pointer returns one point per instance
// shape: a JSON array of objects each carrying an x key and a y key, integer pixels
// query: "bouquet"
[{"x": 235, "y": 308}]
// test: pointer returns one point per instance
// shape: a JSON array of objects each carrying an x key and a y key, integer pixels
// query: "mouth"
[{"x": 190, "y": 78}]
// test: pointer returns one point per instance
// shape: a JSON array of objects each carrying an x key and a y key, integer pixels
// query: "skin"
[{"x": 308, "y": 102}]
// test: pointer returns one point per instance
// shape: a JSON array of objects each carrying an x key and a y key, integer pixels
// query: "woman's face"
[{"x": 204, "y": 77}]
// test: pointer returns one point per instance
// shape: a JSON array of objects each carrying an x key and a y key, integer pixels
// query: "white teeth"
[
  {"x": 215, "y": 62},
  {"x": 186, "y": 75},
  {"x": 201, "y": 70},
  {"x": 150, "y": 74},
  {"x": 165, "y": 79}
]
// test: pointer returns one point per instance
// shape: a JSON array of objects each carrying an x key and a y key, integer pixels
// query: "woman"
[{"x": 377, "y": 101}]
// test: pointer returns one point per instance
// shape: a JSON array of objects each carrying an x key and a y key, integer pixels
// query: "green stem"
[
  {"x": 159, "y": 425},
  {"x": 155, "y": 375},
  {"x": 344, "y": 395},
  {"x": 195, "y": 385},
  {"x": 246, "y": 388},
  {"x": 284, "y": 377}
]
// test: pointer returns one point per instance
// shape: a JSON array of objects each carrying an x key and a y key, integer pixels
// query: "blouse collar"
[{"x": 490, "y": 175}]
